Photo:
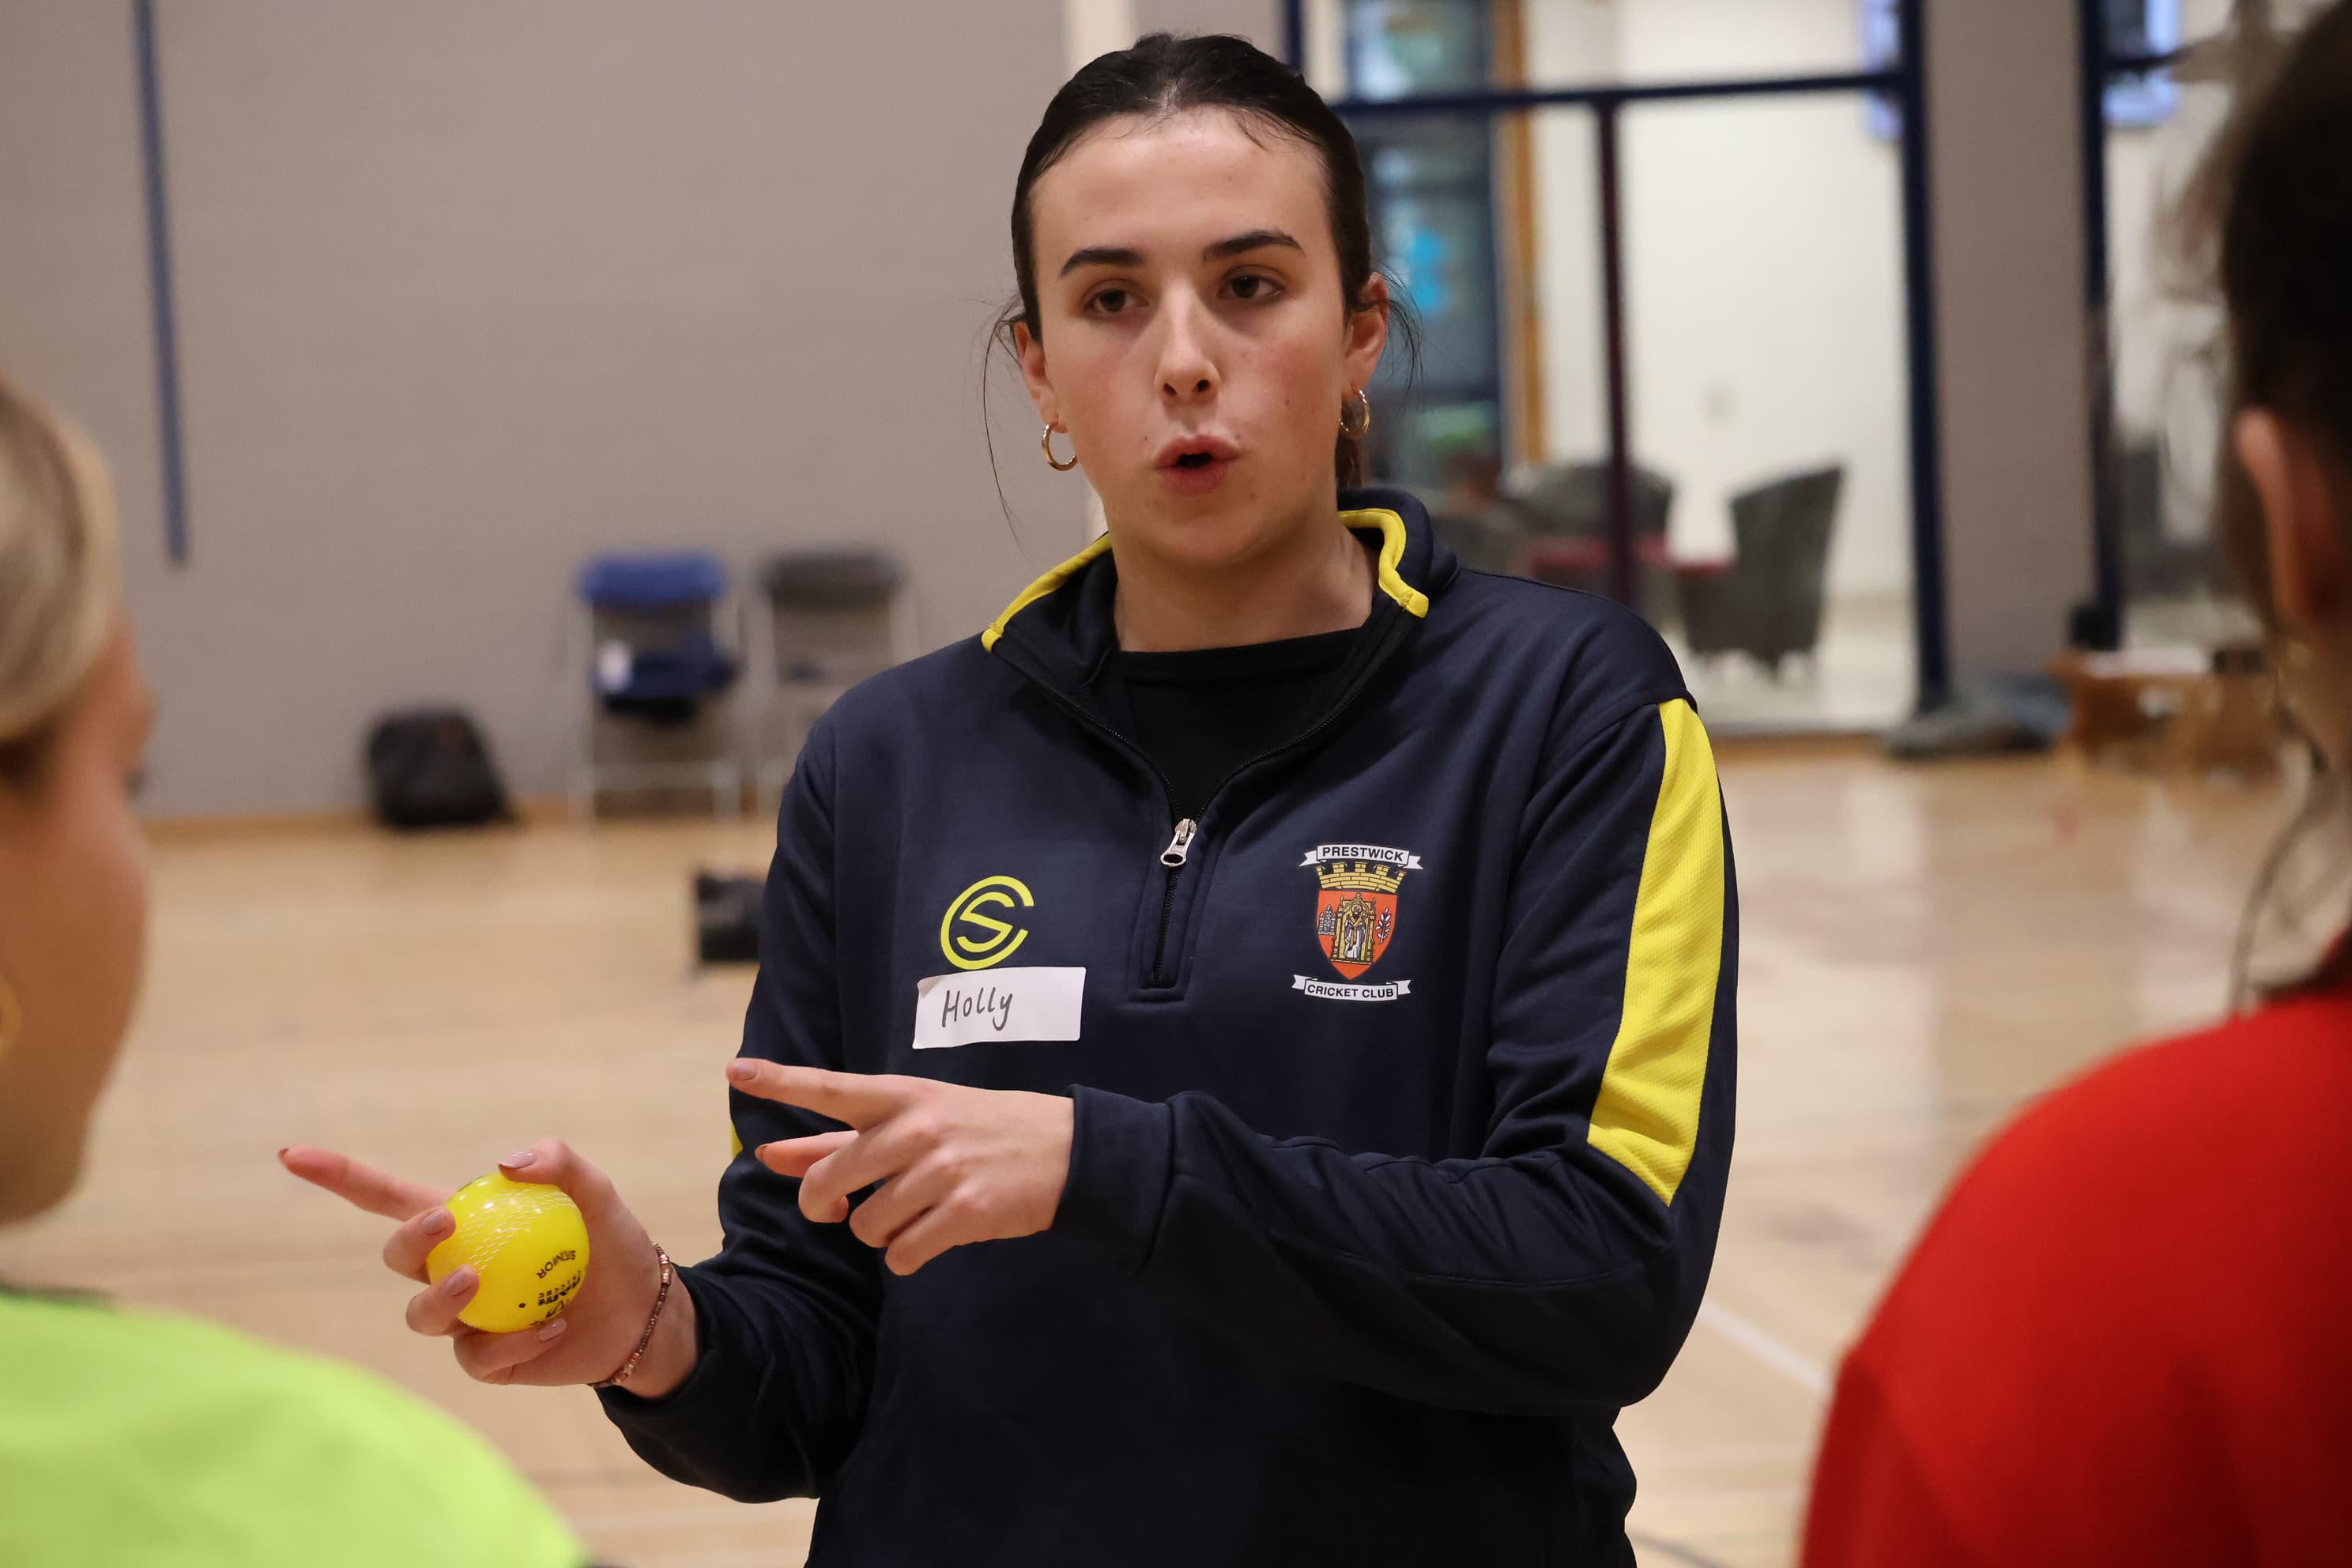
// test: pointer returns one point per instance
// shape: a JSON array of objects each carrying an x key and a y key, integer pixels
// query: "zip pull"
[{"x": 1179, "y": 848}]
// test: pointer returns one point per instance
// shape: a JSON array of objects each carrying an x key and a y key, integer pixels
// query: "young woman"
[
  {"x": 2124, "y": 1339},
  {"x": 1272, "y": 990},
  {"x": 133, "y": 1437}
]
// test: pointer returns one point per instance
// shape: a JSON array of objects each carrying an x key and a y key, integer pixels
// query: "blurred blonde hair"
[{"x": 59, "y": 571}]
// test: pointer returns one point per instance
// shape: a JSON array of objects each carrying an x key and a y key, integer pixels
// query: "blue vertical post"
[
  {"x": 1625, "y": 546},
  {"x": 159, "y": 278},
  {"x": 1293, "y": 34},
  {"x": 1931, "y": 627}
]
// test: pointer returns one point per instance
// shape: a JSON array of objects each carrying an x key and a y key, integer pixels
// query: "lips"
[
  {"x": 1195, "y": 465},
  {"x": 1193, "y": 454}
]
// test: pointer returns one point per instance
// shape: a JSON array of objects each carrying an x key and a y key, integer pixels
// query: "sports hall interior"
[{"x": 1872, "y": 382}]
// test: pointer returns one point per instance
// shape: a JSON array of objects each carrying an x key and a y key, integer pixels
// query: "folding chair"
[
  {"x": 835, "y": 618},
  {"x": 660, "y": 712}
]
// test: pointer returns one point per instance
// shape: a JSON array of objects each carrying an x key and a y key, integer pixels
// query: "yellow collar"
[{"x": 1392, "y": 542}]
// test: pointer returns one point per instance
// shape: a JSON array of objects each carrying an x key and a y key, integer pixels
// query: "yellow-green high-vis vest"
[{"x": 137, "y": 1439}]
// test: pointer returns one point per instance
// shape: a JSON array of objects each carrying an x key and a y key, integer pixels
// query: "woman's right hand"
[{"x": 604, "y": 1321}]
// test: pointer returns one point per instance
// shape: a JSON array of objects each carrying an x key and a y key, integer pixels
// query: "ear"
[
  {"x": 1033, "y": 371},
  {"x": 2302, "y": 518},
  {"x": 1368, "y": 332}
]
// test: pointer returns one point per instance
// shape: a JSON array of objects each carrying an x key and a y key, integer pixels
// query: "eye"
[
  {"x": 1254, "y": 286},
  {"x": 1109, "y": 302}
]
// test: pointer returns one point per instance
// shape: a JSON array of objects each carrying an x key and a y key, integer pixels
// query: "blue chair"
[
  {"x": 653, "y": 583},
  {"x": 661, "y": 681}
]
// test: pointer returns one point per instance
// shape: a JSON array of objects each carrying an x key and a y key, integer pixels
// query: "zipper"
[
  {"x": 1186, "y": 829},
  {"x": 1180, "y": 847},
  {"x": 1178, "y": 851}
]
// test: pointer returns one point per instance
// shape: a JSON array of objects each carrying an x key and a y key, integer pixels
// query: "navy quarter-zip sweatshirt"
[{"x": 1404, "y": 1088}]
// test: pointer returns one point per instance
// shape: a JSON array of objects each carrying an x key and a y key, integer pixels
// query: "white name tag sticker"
[{"x": 1006, "y": 1004}]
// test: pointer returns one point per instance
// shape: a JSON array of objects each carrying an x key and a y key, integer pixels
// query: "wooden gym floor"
[{"x": 1924, "y": 950}]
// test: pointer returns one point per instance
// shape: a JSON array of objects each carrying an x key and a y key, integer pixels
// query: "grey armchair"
[{"x": 1768, "y": 601}]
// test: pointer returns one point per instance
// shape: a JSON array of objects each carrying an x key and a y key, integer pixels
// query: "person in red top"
[{"x": 2127, "y": 1337}]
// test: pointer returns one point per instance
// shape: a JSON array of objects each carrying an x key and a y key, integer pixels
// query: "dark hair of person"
[
  {"x": 1164, "y": 75},
  {"x": 2270, "y": 218}
]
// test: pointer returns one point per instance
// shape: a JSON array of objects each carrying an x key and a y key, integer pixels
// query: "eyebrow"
[
  {"x": 1224, "y": 250},
  {"x": 1256, "y": 239},
  {"x": 1102, "y": 256}
]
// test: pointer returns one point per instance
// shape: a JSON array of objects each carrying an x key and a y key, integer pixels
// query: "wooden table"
[{"x": 2173, "y": 709}]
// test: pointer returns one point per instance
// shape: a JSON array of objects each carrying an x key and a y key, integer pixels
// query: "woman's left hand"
[{"x": 954, "y": 1164}]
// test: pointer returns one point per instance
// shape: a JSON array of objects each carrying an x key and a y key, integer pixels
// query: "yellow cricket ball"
[{"x": 528, "y": 1242}]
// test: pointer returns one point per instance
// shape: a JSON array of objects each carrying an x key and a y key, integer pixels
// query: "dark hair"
[
  {"x": 1163, "y": 76},
  {"x": 2279, "y": 212},
  {"x": 2270, "y": 219}
]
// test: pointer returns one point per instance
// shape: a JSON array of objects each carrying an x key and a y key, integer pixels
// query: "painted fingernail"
[
  {"x": 439, "y": 1221},
  {"x": 741, "y": 1070},
  {"x": 459, "y": 1281},
  {"x": 552, "y": 1331},
  {"x": 517, "y": 1162}
]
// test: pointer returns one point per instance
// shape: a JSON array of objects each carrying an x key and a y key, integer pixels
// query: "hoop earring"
[
  {"x": 1358, "y": 431},
  {"x": 1047, "y": 442}
]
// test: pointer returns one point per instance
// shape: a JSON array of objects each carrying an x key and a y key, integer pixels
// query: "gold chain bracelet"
[{"x": 654, "y": 1318}]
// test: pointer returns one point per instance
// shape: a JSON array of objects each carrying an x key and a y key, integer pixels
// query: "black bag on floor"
[
  {"x": 430, "y": 768},
  {"x": 727, "y": 916}
]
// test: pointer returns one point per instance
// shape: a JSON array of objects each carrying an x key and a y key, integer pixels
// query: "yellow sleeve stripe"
[{"x": 1646, "y": 1116}]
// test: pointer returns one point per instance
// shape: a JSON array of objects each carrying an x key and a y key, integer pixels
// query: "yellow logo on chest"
[{"x": 981, "y": 929}]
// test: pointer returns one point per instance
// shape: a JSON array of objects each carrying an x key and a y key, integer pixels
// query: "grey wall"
[
  {"x": 2011, "y": 330},
  {"x": 73, "y": 248},
  {"x": 1260, "y": 21},
  {"x": 471, "y": 288}
]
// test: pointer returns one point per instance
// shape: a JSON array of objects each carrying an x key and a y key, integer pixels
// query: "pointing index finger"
[
  {"x": 854, "y": 1099},
  {"x": 361, "y": 1186}
]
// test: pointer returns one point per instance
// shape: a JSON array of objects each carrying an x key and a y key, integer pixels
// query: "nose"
[{"x": 1188, "y": 365}]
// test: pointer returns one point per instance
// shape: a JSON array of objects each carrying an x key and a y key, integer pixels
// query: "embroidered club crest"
[{"x": 1356, "y": 904}]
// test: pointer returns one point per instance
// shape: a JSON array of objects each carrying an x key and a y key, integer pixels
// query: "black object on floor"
[
  {"x": 431, "y": 768},
  {"x": 727, "y": 916},
  {"x": 1987, "y": 716}
]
